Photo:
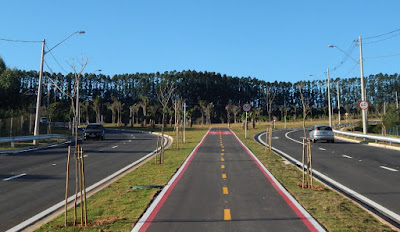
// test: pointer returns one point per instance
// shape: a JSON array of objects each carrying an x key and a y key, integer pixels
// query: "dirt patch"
[{"x": 312, "y": 188}]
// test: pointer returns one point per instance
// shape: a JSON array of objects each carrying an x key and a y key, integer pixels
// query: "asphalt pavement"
[
  {"x": 370, "y": 171},
  {"x": 33, "y": 181},
  {"x": 222, "y": 187}
]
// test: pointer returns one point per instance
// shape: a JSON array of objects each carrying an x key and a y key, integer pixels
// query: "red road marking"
[{"x": 305, "y": 220}]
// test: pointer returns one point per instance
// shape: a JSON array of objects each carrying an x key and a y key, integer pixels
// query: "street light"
[
  {"x": 363, "y": 97},
  {"x": 39, "y": 96}
]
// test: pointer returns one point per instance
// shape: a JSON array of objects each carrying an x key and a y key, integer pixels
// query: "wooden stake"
[
  {"x": 67, "y": 184},
  {"x": 270, "y": 139},
  {"x": 302, "y": 161},
  {"x": 84, "y": 188},
  {"x": 76, "y": 182},
  {"x": 80, "y": 182}
]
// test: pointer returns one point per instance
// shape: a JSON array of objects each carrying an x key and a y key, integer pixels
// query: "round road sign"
[
  {"x": 246, "y": 107},
  {"x": 364, "y": 105}
]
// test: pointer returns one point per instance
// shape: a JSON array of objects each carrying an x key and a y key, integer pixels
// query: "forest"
[{"x": 209, "y": 97}]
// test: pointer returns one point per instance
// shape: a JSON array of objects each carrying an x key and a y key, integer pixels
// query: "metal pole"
[
  {"x": 329, "y": 100},
  {"x": 245, "y": 127},
  {"x": 363, "y": 112},
  {"x": 184, "y": 121},
  {"x": 39, "y": 95},
  {"x": 338, "y": 101}
]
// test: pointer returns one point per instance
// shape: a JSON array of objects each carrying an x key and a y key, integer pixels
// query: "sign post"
[{"x": 246, "y": 107}]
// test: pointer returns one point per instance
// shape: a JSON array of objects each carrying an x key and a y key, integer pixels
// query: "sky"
[{"x": 268, "y": 40}]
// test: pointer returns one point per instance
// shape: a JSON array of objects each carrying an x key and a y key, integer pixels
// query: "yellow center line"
[
  {"x": 222, "y": 159},
  {"x": 225, "y": 190},
  {"x": 223, "y": 176},
  {"x": 227, "y": 214},
  {"x": 222, "y": 153},
  {"x": 222, "y": 166},
  {"x": 223, "y": 150}
]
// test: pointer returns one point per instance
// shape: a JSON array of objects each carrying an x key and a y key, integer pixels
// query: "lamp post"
[
  {"x": 39, "y": 94},
  {"x": 363, "y": 96}
]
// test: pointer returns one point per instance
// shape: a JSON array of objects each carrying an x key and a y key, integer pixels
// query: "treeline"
[{"x": 121, "y": 97}]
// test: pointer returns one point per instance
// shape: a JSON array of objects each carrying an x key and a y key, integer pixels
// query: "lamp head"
[{"x": 331, "y": 46}]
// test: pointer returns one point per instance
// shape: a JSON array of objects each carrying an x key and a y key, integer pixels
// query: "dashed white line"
[
  {"x": 347, "y": 156},
  {"x": 322, "y": 149},
  {"x": 389, "y": 169},
  {"x": 115, "y": 146},
  {"x": 14, "y": 177}
]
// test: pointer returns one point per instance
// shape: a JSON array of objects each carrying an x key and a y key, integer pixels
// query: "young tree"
[{"x": 269, "y": 94}]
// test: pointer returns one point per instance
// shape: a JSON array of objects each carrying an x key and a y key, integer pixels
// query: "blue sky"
[{"x": 269, "y": 40}]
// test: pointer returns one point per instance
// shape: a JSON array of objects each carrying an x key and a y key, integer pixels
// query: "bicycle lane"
[{"x": 222, "y": 186}]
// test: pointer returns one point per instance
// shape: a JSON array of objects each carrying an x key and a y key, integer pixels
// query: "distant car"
[
  {"x": 43, "y": 120},
  {"x": 322, "y": 132},
  {"x": 94, "y": 131}
]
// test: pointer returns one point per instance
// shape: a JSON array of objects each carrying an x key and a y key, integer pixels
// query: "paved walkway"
[{"x": 223, "y": 187}]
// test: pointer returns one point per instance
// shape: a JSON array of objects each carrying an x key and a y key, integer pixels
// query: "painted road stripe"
[
  {"x": 222, "y": 159},
  {"x": 222, "y": 166},
  {"x": 223, "y": 150},
  {"x": 227, "y": 215},
  {"x": 322, "y": 149},
  {"x": 347, "y": 156},
  {"x": 14, "y": 177},
  {"x": 224, "y": 190},
  {"x": 147, "y": 218},
  {"x": 222, "y": 153},
  {"x": 307, "y": 219},
  {"x": 223, "y": 176},
  {"x": 115, "y": 146},
  {"x": 389, "y": 169}
]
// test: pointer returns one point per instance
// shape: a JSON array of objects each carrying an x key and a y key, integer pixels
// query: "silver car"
[{"x": 322, "y": 132}]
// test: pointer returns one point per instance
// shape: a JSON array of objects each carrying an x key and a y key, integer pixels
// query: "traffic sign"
[
  {"x": 246, "y": 107},
  {"x": 364, "y": 105}
]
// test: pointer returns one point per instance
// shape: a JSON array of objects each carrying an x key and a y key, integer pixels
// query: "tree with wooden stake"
[
  {"x": 164, "y": 94},
  {"x": 306, "y": 156}
]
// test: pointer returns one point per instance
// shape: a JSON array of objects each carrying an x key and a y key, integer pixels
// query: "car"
[
  {"x": 94, "y": 131},
  {"x": 322, "y": 132},
  {"x": 43, "y": 120}
]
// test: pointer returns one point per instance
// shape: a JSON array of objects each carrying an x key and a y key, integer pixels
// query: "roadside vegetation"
[{"x": 118, "y": 207}]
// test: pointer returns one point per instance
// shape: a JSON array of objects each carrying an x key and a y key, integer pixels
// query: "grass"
[
  {"x": 117, "y": 207},
  {"x": 332, "y": 210}
]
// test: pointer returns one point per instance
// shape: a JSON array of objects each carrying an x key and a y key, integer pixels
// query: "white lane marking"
[
  {"x": 53, "y": 208},
  {"x": 85, "y": 156},
  {"x": 342, "y": 187},
  {"x": 322, "y": 149},
  {"x": 347, "y": 156},
  {"x": 130, "y": 140},
  {"x": 14, "y": 177},
  {"x": 53, "y": 164},
  {"x": 115, "y": 146},
  {"x": 389, "y": 169},
  {"x": 286, "y": 135}
]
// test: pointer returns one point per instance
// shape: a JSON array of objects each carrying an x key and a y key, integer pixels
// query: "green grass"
[
  {"x": 332, "y": 210},
  {"x": 117, "y": 207}
]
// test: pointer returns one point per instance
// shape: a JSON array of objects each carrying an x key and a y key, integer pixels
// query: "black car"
[{"x": 94, "y": 131}]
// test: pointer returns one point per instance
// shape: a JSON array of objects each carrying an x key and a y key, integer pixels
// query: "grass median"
[
  {"x": 334, "y": 211},
  {"x": 118, "y": 207}
]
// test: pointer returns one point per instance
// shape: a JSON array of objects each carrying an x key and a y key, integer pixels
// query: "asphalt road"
[
  {"x": 371, "y": 171},
  {"x": 31, "y": 182},
  {"x": 223, "y": 189}
]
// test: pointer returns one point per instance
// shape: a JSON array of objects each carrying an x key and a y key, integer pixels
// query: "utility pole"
[
  {"x": 39, "y": 96},
  {"x": 338, "y": 100},
  {"x": 363, "y": 112},
  {"x": 329, "y": 100},
  {"x": 184, "y": 121}
]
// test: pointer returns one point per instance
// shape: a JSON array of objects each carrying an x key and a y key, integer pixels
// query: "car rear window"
[
  {"x": 94, "y": 127},
  {"x": 323, "y": 128}
]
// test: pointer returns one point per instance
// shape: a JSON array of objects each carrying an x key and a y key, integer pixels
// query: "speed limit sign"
[
  {"x": 363, "y": 105},
  {"x": 246, "y": 107}
]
